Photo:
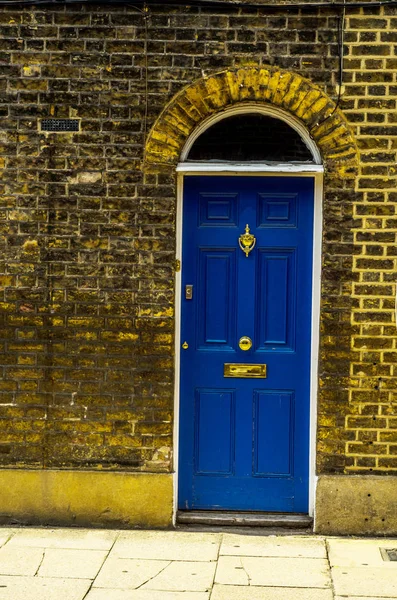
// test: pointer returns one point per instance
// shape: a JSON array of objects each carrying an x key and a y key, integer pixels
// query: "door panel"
[
  {"x": 273, "y": 418},
  {"x": 275, "y": 310},
  {"x": 214, "y": 434},
  {"x": 244, "y": 443},
  {"x": 277, "y": 210},
  {"x": 216, "y": 289},
  {"x": 218, "y": 208}
]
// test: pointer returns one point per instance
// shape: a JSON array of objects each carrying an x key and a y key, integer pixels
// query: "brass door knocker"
[{"x": 247, "y": 241}]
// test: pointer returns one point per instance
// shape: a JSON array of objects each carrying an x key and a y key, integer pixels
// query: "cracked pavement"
[{"x": 89, "y": 564}]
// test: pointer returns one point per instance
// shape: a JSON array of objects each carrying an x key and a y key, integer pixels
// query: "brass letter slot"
[{"x": 237, "y": 370}]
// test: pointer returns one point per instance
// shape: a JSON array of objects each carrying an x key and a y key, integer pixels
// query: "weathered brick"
[{"x": 87, "y": 289}]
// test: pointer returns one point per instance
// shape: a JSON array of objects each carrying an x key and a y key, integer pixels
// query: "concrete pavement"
[{"x": 77, "y": 564}]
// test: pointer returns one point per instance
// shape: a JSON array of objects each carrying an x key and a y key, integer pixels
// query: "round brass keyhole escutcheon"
[{"x": 245, "y": 343}]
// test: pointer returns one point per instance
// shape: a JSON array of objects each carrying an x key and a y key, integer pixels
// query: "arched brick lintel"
[{"x": 284, "y": 89}]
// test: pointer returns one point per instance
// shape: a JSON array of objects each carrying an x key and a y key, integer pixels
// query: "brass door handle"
[{"x": 245, "y": 343}]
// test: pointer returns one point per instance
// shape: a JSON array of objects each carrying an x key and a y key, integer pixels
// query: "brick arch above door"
[{"x": 264, "y": 86}]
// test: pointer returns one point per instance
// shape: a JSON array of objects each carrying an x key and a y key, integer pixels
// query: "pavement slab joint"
[{"x": 41, "y": 562}]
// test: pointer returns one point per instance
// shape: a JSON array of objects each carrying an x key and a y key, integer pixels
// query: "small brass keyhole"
[{"x": 245, "y": 343}]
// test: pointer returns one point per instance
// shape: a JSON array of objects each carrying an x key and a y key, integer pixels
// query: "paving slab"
[
  {"x": 40, "y": 588},
  {"x": 20, "y": 561},
  {"x": 358, "y": 553},
  {"x": 60, "y": 564},
  {"x": 230, "y": 571},
  {"x": 167, "y": 545},
  {"x": 229, "y": 592},
  {"x": 184, "y": 577},
  {"x": 128, "y": 573},
  {"x": 98, "y": 594},
  {"x": 279, "y": 572},
  {"x": 245, "y": 545},
  {"x": 369, "y": 582},
  {"x": 363, "y": 598},
  {"x": 84, "y": 539},
  {"x": 67, "y": 563}
]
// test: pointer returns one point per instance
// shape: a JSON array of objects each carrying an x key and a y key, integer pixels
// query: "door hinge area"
[{"x": 177, "y": 265}]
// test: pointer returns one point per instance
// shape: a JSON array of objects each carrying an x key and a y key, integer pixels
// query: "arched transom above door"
[{"x": 263, "y": 86}]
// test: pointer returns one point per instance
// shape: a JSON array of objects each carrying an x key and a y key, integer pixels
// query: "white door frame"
[{"x": 316, "y": 172}]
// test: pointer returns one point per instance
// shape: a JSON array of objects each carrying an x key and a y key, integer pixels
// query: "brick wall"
[
  {"x": 88, "y": 250},
  {"x": 371, "y": 421}
]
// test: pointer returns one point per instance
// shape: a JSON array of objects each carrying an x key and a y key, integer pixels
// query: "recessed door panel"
[
  {"x": 214, "y": 432},
  {"x": 277, "y": 210},
  {"x": 244, "y": 428},
  {"x": 218, "y": 209},
  {"x": 276, "y": 299},
  {"x": 273, "y": 433},
  {"x": 216, "y": 288}
]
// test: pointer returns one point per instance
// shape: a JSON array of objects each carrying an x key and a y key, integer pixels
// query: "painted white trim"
[
  {"x": 244, "y": 108},
  {"x": 248, "y": 168},
  {"x": 315, "y": 334},
  {"x": 315, "y": 323}
]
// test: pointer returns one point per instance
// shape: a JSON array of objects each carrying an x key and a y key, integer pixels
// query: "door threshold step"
[{"x": 244, "y": 519}]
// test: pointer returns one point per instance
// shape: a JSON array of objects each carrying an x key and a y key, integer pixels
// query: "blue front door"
[{"x": 244, "y": 441}]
